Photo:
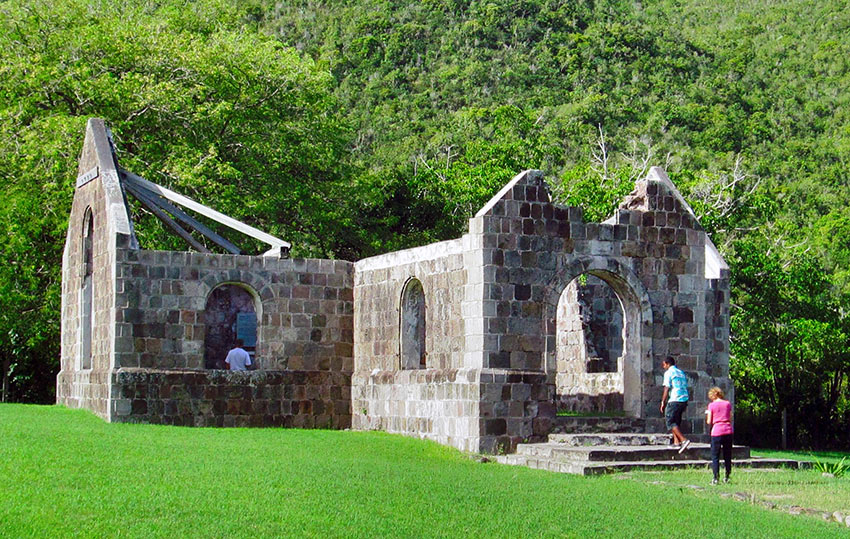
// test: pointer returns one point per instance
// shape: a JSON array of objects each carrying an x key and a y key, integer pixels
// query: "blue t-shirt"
[{"x": 677, "y": 381}]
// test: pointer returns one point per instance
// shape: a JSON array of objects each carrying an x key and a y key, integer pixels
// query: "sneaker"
[
  {"x": 714, "y": 481},
  {"x": 685, "y": 445},
  {"x": 726, "y": 479},
  {"x": 674, "y": 446}
]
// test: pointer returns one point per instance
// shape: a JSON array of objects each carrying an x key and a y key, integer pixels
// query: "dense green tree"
[
  {"x": 196, "y": 99},
  {"x": 790, "y": 346}
]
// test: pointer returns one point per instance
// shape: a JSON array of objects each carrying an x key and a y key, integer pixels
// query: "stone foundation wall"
[
  {"x": 590, "y": 392},
  {"x": 440, "y": 405},
  {"x": 477, "y": 410},
  {"x": 512, "y": 406},
  {"x": 216, "y": 398},
  {"x": 84, "y": 389}
]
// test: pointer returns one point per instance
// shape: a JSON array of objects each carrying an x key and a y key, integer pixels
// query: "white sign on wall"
[{"x": 86, "y": 177}]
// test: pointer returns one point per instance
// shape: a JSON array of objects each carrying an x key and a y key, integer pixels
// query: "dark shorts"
[{"x": 673, "y": 413}]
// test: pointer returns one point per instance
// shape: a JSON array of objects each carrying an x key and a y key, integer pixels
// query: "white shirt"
[{"x": 238, "y": 359}]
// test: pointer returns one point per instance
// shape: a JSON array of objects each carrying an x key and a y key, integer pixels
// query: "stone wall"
[
  {"x": 304, "y": 309},
  {"x": 521, "y": 253},
  {"x": 304, "y": 349},
  {"x": 378, "y": 285},
  {"x": 98, "y": 196},
  {"x": 489, "y": 410},
  {"x": 219, "y": 398},
  {"x": 149, "y": 325},
  {"x": 652, "y": 253},
  {"x": 513, "y": 407},
  {"x": 437, "y": 404}
]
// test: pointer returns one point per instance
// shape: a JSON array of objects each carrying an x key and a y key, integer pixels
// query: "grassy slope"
[
  {"x": 803, "y": 488},
  {"x": 66, "y": 472},
  {"x": 813, "y": 456}
]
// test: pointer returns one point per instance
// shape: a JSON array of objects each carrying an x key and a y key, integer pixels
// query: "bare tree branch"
[{"x": 599, "y": 158}]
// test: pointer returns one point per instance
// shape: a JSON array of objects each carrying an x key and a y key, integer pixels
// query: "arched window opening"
[
  {"x": 590, "y": 345},
  {"x": 413, "y": 326},
  {"x": 230, "y": 315},
  {"x": 87, "y": 292}
]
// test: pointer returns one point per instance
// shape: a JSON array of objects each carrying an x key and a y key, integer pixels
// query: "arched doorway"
[
  {"x": 599, "y": 338},
  {"x": 590, "y": 346},
  {"x": 230, "y": 314}
]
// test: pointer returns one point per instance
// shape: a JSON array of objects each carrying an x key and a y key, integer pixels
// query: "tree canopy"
[{"x": 196, "y": 99}]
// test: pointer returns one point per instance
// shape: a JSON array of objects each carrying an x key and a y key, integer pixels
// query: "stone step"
[
  {"x": 608, "y": 453},
  {"x": 542, "y": 464},
  {"x": 597, "y": 468},
  {"x": 592, "y": 424},
  {"x": 611, "y": 438}
]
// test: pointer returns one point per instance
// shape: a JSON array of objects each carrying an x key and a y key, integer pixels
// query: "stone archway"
[
  {"x": 626, "y": 384},
  {"x": 590, "y": 346},
  {"x": 231, "y": 313}
]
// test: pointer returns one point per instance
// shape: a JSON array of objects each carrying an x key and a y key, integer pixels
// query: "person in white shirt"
[{"x": 238, "y": 359}]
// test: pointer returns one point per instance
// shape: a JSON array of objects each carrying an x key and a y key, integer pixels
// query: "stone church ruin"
[{"x": 475, "y": 342}]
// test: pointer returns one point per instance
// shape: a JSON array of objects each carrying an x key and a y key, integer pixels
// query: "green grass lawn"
[
  {"x": 813, "y": 456},
  {"x": 783, "y": 487},
  {"x": 65, "y": 472},
  {"x": 804, "y": 488}
]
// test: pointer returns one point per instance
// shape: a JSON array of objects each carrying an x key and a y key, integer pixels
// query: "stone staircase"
[{"x": 590, "y": 453}]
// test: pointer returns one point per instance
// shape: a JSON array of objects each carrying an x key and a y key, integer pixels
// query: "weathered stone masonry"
[
  {"x": 473, "y": 342},
  {"x": 304, "y": 339},
  {"x": 103, "y": 202},
  {"x": 148, "y": 329},
  {"x": 521, "y": 254}
]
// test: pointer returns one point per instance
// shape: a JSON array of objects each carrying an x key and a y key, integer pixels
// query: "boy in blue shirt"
[{"x": 676, "y": 388}]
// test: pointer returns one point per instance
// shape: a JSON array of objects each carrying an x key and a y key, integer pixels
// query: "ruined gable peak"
[
  {"x": 98, "y": 165},
  {"x": 657, "y": 193},
  {"x": 526, "y": 186}
]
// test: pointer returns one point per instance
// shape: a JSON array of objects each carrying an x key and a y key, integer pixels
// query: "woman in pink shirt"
[{"x": 719, "y": 416}]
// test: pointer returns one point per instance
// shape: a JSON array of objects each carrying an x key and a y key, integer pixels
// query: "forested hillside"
[{"x": 354, "y": 128}]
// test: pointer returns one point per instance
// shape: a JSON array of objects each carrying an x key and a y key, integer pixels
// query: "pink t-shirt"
[{"x": 721, "y": 417}]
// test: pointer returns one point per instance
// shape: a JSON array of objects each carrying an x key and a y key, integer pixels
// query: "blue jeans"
[{"x": 724, "y": 442}]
